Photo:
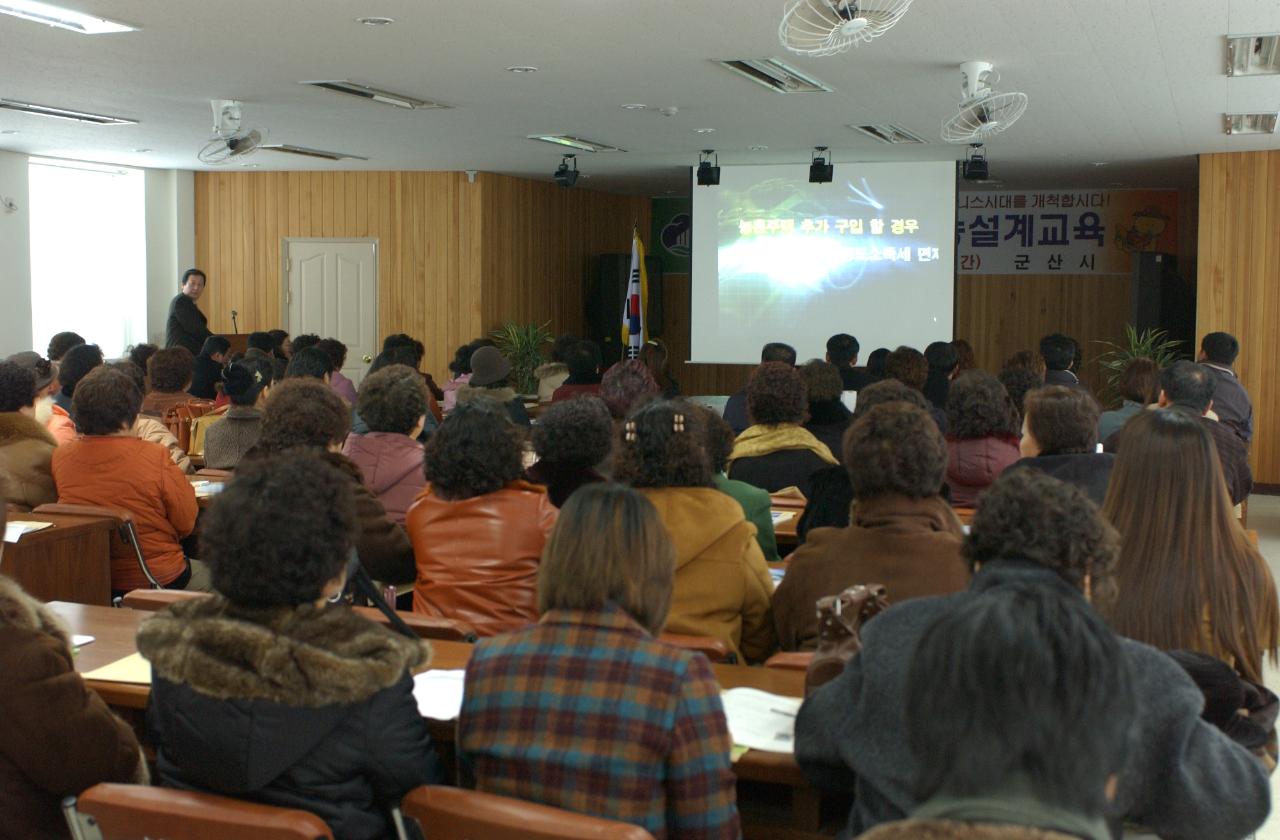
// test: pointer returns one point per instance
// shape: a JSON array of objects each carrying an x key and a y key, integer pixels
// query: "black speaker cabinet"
[
  {"x": 606, "y": 289},
  {"x": 1159, "y": 298}
]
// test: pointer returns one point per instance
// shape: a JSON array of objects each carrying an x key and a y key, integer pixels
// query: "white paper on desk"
[
  {"x": 439, "y": 693},
  {"x": 780, "y": 516},
  {"x": 14, "y": 530},
  {"x": 80, "y": 641},
  {"x": 205, "y": 489},
  {"x": 760, "y": 720}
]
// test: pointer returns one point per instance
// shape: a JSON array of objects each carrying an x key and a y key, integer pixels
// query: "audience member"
[
  {"x": 61, "y": 343},
  {"x": 1189, "y": 576},
  {"x": 626, "y": 386},
  {"x": 987, "y": 711},
  {"x": 888, "y": 390},
  {"x": 572, "y": 439},
  {"x": 832, "y": 499},
  {"x": 756, "y": 505},
  {"x": 302, "y": 342},
  {"x": 405, "y": 356},
  {"x": 490, "y": 379},
  {"x": 478, "y": 530},
  {"x": 842, "y": 351},
  {"x": 1139, "y": 387},
  {"x": 1026, "y": 360},
  {"x": 206, "y": 372},
  {"x": 1060, "y": 438},
  {"x": 460, "y": 367},
  {"x": 967, "y": 360},
  {"x": 776, "y": 451},
  {"x": 393, "y": 403},
  {"x": 1018, "y": 382},
  {"x": 26, "y": 447},
  {"x": 75, "y": 365},
  {"x": 306, "y": 414},
  {"x": 108, "y": 466},
  {"x": 169, "y": 374},
  {"x": 943, "y": 360},
  {"x": 140, "y": 354},
  {"x": 46, "y": 412},
  {"x": 722, "y": 585},
  {"x": 1059, "y": 354},
  {"x": 827, "y": 416},
  {"x": 261, "y": 340},
  {"x": 419, "y": 353},
  {"x": 659, "y": 760},
  {"x": 310, "y": 363},
  {"x": 266, "y": 690},
  {"x": 903, "y": 534},
  {"x": 149, "y": 428},
  {"x": 910, "y": 367},
  {"x": 1218, "y": 351},
  {"x": 553, "y": 373},
  {"x": 186, "y": 326},
  {"x": 583, "y": 359},
  {"x": 654, "y": 356},
  {"x": 735, "y": 409},
  {"x": 1183, "y": 777},
  {"x": 982, "y": 436},
  {"x": 875, "y": 365},
  {"x": 247, "y": 384},
  {"x": 281, "y": 347},
  {"x": 338, "y": 381}
]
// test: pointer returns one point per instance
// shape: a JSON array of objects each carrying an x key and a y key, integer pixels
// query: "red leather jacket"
[{"x": 478, "y": 558}]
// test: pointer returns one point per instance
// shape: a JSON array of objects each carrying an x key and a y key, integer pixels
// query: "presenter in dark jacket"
[
  {"x": 266, "y": 691},
  {"x": 187, "y": 326}
]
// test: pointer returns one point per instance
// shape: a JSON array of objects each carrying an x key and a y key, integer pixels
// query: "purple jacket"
[
  {"x": 974, "y": 464},
  {"x": 343, "y": 387},
  {"x": 392, "y": 468}
]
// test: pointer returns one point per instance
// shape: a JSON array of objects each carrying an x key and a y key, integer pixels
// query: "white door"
[{"x": 333, "y": 292}]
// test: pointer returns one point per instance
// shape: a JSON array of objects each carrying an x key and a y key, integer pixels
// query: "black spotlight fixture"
[
  {"x": 708, "y": 172},
  {"x": 564, "y": 175},
  {"x": 975, "y": 166},
  {"x": 820, "y": 170}
]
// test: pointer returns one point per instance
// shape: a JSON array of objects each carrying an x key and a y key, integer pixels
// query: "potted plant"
[
  {"x": 1151, "y": 344},
  {"x": 522, "y": 344}
]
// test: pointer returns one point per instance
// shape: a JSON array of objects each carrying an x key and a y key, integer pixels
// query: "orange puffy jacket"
[{"x": 478, "y": 558}]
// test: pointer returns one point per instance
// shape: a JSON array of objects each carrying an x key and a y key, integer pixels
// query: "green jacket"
[{"x": 756, "y": 507}]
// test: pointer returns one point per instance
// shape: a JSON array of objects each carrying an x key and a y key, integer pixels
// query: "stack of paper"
[
  {"x": 439, "y": 693},
  {"x": 760, "y": 720},
  {"x": 14, "y": 530},
  {"x": 131, "y": 669}
]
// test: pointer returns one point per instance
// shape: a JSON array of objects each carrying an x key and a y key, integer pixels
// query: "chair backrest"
[
  {"x": 126, "y": 533},
  {"x": 151, "y": 600},
  {"x": 178, "y": 421},
  {"x": 455, "y": 814},
  {"x": 137, "y": 812},
  {"x": 717, "y": 650},
  {"x": 790, "y": 660}
]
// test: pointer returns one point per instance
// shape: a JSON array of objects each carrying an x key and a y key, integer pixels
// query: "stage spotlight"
[
  {"x": 708, "y": 172},
  {"x": 564, "y": 176},
  {"x": 975, "y": 166},
  {"x": 820, "y": 170}
]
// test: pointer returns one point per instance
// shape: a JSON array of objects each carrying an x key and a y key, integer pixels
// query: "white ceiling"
[{"x": 1139, "y": 84}]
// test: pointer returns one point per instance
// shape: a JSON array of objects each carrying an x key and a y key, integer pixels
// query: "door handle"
[{"x": 366, "y": 358}]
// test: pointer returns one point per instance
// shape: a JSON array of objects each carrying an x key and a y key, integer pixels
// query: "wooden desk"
[
  {"x": 69, "y": 562},
  {"x": 204, "y": 501}
]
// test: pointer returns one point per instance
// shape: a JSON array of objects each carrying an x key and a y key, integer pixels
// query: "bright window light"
[
  {"x": 88, "y": 253},
  {"x": 52, "y": 15}
]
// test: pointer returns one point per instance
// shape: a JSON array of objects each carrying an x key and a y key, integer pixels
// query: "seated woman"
[
  {"x": 572, "y": 439},
  {"x": 490, "y": 372},
  {"x": 654, "y": 356},
  {"x": 1060, "y": 436},
  {"x": 169, "y": 373},
  {"x": 903, "y": 534},
  {"x": 306, "y": 413},
  {"x": 109, "y": 466},
  {"x": 460, "y": 367},
  {"x": 755, "y": 503},
  {"x": 267, "y": 691},
  {"x": 75, "y": 365},
  {"x": 149, "y": 428},
  {"x": 477, "y": 528},
  {"x": 775, "y": 451},
  {"x": 827, "y": 417},
  {"x": 722, "y": 585},
  {"x": 553, "y": 373},
  {"x": 26, "y": 447},
  {"x": 982, "y": 435},
  {"x": 583, "y": 359},
  {"x": 1189, "y": 577},
  {"x": 585, "y": 710},
  {"x": 393, "y": 404},
  {"x": 625, "y": 386},
  {"x": 339, "y": 382},
  {"x": 247, "y": 383},
  {"x": 1139, "y": 387}
]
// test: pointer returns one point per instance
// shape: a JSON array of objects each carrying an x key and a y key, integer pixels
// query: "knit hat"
[
  {"x": 45, "y": 371},
  {"x": 488, "y": 366}
]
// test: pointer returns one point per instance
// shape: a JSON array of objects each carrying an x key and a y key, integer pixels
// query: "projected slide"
[{"x": 776, "y": 258}]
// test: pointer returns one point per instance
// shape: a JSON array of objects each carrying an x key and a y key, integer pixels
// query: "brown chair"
[
  {"x": 714, "y": 649},
  {"x": 137, "y": 812},
  {"x": 790, "y": 660},
  {"x": 447, "y": 813},
  {"x": 126, "y": 532}
]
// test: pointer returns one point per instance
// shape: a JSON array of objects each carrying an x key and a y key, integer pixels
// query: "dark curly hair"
[
  {"x": 280, "y": 531},
  {"x": 719, "y": 440},
  {"x": 887, "y": 390},
  {"x": 17, "y": 387},
  {"x": 309, "y": 363},
  {"x": 664, "y": 452},
  {"x": 135, "y": 374},
  {"x": 1018, "y": 382},
  {"x": 979, "y": 406},
  {"x": 575, "y": 433},
  {"x": 1062, "y": 420},
  {"x": 895, "y": 448},
  {"x": 404, "y": 340},
  {"x": 392, "y": 399},
  {"x": 301, "y": 342},
  {"x": 776, "y": 394},
  {"x": 105, "y": 402},
  {"x": 170, "y": 369},
  {"x": 303, "y": 412},
  {"x": 1030, "y": 516},
  {"x": 335, "y": 350},
  {"x": 76, "y": 364},
  {"x": 626, "y": 385},
  {"x": 822, "y": 381},
  {"x": 244, "y": 380},
  {"x": 61, "y": 343},
  {"x": 477, "y": 450},
  {"x": 907, "y": 365},
  {"x": 140, "y": 353}
]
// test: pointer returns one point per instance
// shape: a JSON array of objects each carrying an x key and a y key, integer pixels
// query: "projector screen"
[{"x": 776, "y": 258}]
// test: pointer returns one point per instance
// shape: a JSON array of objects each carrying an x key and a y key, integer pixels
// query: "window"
[{"x": 88, "y": 253}]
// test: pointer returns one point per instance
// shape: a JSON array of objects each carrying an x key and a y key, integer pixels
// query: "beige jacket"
[
  {"x": 26, "y": 449},
  {"x": 151, "y": 429}
]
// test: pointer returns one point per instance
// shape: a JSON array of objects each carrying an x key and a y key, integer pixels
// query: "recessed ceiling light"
[
  {"x": 250, "y": 165},
  {"x": 703, "y": 130},
  {"x": 1253, "y": 55},
  {"x": 579, "y": 143},
  {"x": 386, "y": 97},
  {"x": 1264, "y": 123},
  {"x": 375, "y": 21},
  {"x": 51, "y": 15},
  {"x": 757, "y": 148},
  {"x": 1100, "y": 163},
  {"x": 143, "y": 151},
  {"x": 634, "y": 106},
  {"x": 522, "y": 68}
]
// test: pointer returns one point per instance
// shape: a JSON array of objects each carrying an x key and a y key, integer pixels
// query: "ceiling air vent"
[
  {"x": 579, "y": 143},
  {"x": 774, "y": 75},
  {"x": 888, "y": 133},
  {"x": 1253, "y": 55},
  {"x": 315, "y": 153},
  {"x": 386, "y": 97},
  {"x": 63, "y": 113},
  {"x": 1250, "y": 123}
]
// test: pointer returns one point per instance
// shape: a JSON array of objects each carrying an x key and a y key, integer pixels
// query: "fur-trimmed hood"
[
  {"x": 16, "y": 426},
  {"x": 467, "y": 393},
  {"x": 20, "y": 610}
]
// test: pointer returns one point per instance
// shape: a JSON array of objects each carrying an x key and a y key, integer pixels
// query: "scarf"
[{"x": 762, "y": 440}]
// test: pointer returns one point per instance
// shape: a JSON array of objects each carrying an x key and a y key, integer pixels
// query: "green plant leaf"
[
  {"x": 1151, "y": 344},
  {"x": 523, "y": 344}
]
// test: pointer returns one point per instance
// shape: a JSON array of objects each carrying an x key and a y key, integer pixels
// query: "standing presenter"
[{"x": 187, "y": 326}]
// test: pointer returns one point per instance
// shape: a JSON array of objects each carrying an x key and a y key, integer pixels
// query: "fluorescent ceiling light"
[
  {"x": 386, "y": 97},
  {"x": 63, "y": 113},
  {"x": 306, "y": 152},
  {"x": 775, "y": 75},
  {"x": 578, "y": 143},
  {"x": 51, "y": 15},
  {"x": 1250, "y": 123},
  {"x": 1253, "y": 55},
  {"x": 888, "y": 133}
]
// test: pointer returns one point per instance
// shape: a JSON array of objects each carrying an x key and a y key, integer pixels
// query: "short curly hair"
[
  {"x": 477, "y": 450},
  {"x": 392, "y": 399},
  {"x": 1027, "y": 515},
  {"x": 1062, "y": 420},
  {"x": 17, "y": 387},
  {"x": 140, "y": 353},
  {"x": 626, "y": 385},
  {"x": 309, "y": 363},
  {"x": 1018, "y": 382},
  {"x": 666, "y": 448},
  {"x": 776, "y": 395},
  {"x": 106, "y": 401},
  {"x": 887, "y": 390},
  {"x": 979, "y": 406},
  {"x": 61, "y": 343},
  {"x": 335, "y": 350},
  {"x": 135, "y": 374},
  {"x": 895, "y": 448},
  {"x": 719, "y": 440},
  {"x": 170, "y": 369},
  {"x": 76, "y": 364},
  {"x": 283, "y": 528},
  {"x": 303, "y": 412},
  {"x": 575, "y": 433},
  {"x": 907, "y": 365},
  {"x": 822, "y": 381}
]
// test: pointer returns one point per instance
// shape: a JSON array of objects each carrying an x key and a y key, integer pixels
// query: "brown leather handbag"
[{"x": 840, "y": 620}]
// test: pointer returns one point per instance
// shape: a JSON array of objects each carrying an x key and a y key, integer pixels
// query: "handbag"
[{"x": 840, "y": 620}]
